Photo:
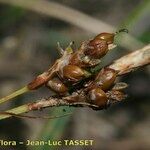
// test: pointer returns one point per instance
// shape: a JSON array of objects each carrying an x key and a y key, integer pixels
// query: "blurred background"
[{"x": 29, "y": 32}]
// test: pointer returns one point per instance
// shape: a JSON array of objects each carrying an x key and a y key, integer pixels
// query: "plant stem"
[
  {"x": 14, "y": 94},
  {"x": 132, "y": 61},
  {"x": 18, "y": 110}
]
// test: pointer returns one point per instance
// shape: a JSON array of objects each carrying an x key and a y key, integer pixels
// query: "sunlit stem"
[{"x": 14, "y": 94}]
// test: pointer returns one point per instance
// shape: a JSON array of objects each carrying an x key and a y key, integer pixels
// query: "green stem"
[
  {"x": 17, "y": 110},
  {"x": 14, "y": 94}
]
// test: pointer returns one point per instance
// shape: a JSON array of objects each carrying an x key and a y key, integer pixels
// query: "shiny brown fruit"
[
  {"x": 57, "y": 86},
  {"x": 108, "y": 37},
  {"x": 73, "y": 73},
  {"x": 106, "y": 78},
  {"x": 96, "y": 48},
  {"x": 97, "y": 97}
]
